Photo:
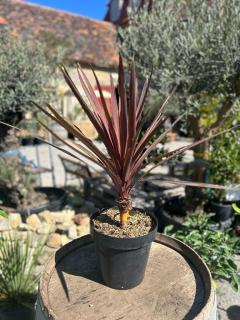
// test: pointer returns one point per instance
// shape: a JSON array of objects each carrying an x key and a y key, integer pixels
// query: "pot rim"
[
  {"x": 222, "y": 203},
  {"x": 134, "y": 242}
]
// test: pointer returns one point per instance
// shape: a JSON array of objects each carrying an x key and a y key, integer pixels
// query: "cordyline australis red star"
[{"x": 119, "y": 127}]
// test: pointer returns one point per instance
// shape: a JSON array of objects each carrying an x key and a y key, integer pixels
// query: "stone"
[
  {"x": 64, "y": 216},
  {"x": 81, "y": 219},
  {"x": 63, "y": 228},
  {"x": 65, "y": 239},
  {"x": 38, "y": 270},
  {"x": 47, "y": 216},
  {"x": 44, "y": 228},
  {"x": 4, "y": 225},
  {"x": 37, "y": 240},
  {"x": 45, "y": 255},
  {"x": 72, "y": 232},
  {"x": 54, "y": 240},
  {"x": 24, "y": 227},
  {"x": 15, "y": 220},
  {"x": 33, "y": 221},
  {"x": 83, "y": 230}
]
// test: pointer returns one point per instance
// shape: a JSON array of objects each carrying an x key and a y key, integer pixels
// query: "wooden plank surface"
[{"x": 172, "y": 288}]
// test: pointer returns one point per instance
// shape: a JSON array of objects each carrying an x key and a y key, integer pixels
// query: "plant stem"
[
  {"x": 124, "y": 217},
  {"x": 125, "y": 207}
]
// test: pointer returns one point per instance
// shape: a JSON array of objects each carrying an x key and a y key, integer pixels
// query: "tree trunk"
[{"x": 194, "y": 195}]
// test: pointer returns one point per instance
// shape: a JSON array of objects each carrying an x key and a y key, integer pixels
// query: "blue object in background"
[{"x": 22, "y": 157}]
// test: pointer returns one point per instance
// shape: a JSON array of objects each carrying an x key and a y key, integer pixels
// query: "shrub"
[
  {"x": 217, "y": 248},
  {"x": 24, "y": 74},
  {"x": 224, "y": 164},
  {"x": 18, "y": 261}
]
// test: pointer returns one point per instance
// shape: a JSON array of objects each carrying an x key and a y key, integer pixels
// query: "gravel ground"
[{"x": 228, "y": 300}]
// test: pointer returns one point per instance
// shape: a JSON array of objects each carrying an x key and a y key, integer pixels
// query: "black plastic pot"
[
  {"x": 17, "y": 312},
  {"x": 176, "y": 206},
  {"x": 123, "y": 261},
  {"x": 166, "y": 219},
  {"x": 223, "y": 210},
  {"x": 167, "y": 213}
]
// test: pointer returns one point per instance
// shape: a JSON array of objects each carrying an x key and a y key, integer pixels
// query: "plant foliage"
[
  {"x": 217, "y": 248},
  {"x": 224, "y": 165},
  {"x": 195, "y": 46},
  {"x": 119, "y": 126},
  {"x": 18, "y": 261},
  {"x": 24, "y": 73},
  {"x": 3, "y": 213}
]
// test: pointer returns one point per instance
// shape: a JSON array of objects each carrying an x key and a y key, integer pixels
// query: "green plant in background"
[
  {"x": 194, "y": 47},
  {"x": 216, "y": 248},
  {"x": 25, "y": 71},
  {"x": 3, "y": 213},
  {"x": 76, "y": 113},
  {"x": 236, "y": 209},
  {"x": 7, "y": 172},
  {"x": 30, "y": 127},
  {"x": 18, "y": 275},
  {"x": 224, "y": 164}
]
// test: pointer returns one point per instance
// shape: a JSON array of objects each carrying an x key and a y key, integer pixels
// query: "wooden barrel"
[{"x": 177, "y": 286}]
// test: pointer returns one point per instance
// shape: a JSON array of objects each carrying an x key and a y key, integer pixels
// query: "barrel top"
[{"x": 177, "y": 286}]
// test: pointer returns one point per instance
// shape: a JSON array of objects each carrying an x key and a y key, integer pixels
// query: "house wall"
[
  {"x": 116, "y": 6},
  {"x": 115, "y": 9},
  {"x": 66, "y": 100}
]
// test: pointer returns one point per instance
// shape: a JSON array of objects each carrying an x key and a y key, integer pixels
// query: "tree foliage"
[
  {"x": 192, "y": 44},
  {"x": 224, "y": 167},
  {"x": 24, "y": 75}
]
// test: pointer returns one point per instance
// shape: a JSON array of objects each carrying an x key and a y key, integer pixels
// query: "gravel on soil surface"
[{"x": 108, "y": 223}]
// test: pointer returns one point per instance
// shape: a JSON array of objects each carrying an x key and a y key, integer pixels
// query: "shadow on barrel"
[{"x": 82, "y": 262}]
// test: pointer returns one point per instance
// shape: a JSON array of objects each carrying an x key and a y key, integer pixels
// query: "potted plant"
[
  {"x": 123, "y": 235},
  {"x": 224, "y": 169}
]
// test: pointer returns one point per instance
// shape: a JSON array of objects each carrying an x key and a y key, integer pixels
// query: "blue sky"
[{"x": 95, "y": 9}]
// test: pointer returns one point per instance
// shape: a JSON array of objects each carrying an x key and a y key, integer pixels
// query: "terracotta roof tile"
[
  {"x": 3, "y": 20},
  {"x": 92, "y": 41}
]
